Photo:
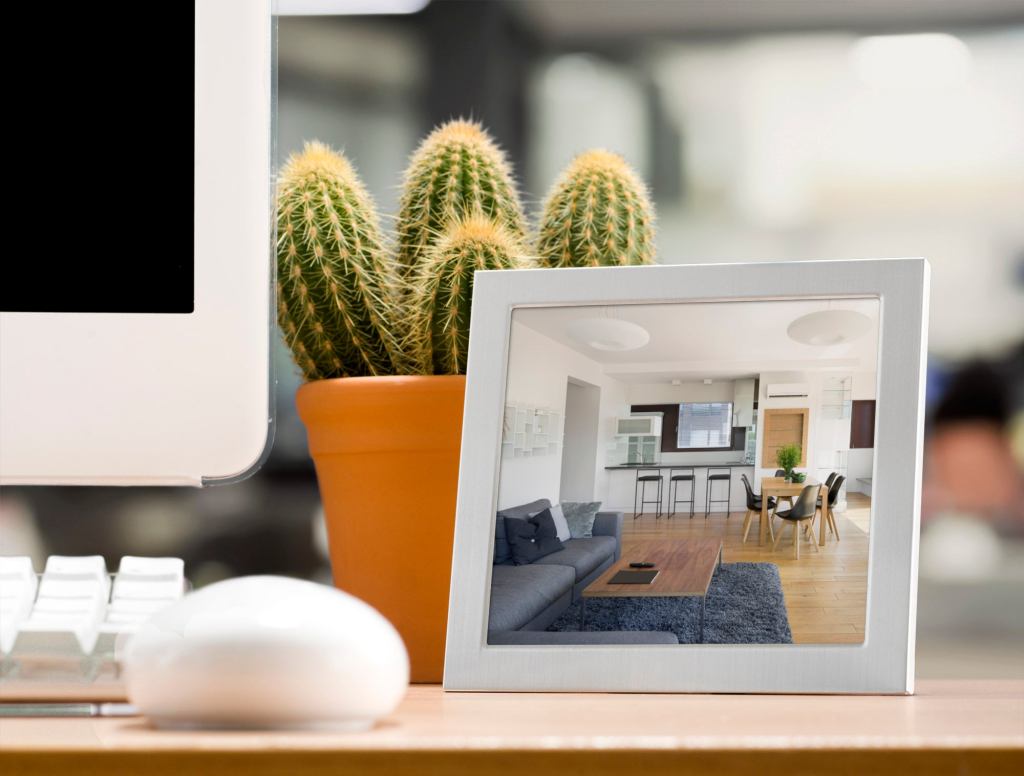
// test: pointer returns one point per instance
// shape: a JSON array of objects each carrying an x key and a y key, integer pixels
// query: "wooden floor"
[{"x": 826, "y": 591}]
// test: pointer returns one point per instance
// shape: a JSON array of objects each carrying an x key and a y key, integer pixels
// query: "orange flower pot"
[{"x": 386, "y": 451}]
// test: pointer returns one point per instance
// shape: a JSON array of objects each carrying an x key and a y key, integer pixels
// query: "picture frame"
[{"x": 883, "y": 663}]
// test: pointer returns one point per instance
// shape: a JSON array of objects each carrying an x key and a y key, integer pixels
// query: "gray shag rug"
[{"x": 745, "y": 605}]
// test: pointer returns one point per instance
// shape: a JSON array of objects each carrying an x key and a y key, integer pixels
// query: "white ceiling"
[{"x": 721, "y": 340}]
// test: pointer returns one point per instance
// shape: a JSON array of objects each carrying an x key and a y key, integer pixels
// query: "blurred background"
[{"x": 767, "y": 130}]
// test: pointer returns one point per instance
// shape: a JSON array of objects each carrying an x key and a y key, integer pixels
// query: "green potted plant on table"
[
  {"x": 382, "y": 337},
  {"x": 787, "y": 457}
]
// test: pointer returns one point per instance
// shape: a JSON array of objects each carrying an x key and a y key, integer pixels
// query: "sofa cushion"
[
  {"x": 561, "y": 526},
  {"x": 580, "y": 516},
  {"x": 583, "y": 555},
  {"x": 502, "y": 553},
  {"x": 530, "y": 540},
  {"x": 521, "y": 593}
]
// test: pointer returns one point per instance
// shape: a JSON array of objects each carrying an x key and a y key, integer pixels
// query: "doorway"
[{"x": 579, "y": 445}]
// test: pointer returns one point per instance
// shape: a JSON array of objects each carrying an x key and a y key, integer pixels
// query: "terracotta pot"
[{"x": 386, "y": 451}]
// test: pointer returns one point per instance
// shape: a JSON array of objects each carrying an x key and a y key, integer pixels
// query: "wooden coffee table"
[{"x": 685, "y": 568}]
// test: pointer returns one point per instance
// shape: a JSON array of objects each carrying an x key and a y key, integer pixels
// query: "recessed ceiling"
[{"x": 719, "y": 340}]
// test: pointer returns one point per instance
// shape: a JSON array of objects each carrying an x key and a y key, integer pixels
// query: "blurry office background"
[{"x": 767, "y": 130}]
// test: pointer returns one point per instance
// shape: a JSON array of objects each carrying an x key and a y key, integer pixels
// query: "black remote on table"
[{"x": 642, "y": 565}]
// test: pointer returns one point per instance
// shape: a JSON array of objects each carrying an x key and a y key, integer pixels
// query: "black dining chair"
[
  {"x": 754, "y": 504},
  {"x": 787, "y": 499},
  {"x": 833, "y": 496},
  {"x": 804, "y": 508},
  {"x": 828, "y": 484}
]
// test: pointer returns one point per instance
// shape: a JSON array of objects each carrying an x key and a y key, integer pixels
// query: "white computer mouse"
[{"x": 266, "y": 652}]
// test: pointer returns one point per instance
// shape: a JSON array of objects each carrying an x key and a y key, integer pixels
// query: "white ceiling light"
[
  {"x": 829, "y": 327},
  {"x": 608, "y": 334}
]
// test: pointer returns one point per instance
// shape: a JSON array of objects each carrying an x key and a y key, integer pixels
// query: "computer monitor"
[{"x": 132, "y": 356}]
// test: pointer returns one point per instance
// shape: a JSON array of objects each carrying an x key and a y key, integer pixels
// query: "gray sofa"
[{"x": 525, "y": 600}]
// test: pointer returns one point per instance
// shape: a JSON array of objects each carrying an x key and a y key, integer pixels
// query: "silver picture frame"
[{"x": 883, "y": 663}]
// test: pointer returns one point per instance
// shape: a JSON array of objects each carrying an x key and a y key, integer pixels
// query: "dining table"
[{"x": 777, "y": 487}]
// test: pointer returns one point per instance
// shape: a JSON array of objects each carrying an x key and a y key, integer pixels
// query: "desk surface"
[{"x": 948, "y": 727}]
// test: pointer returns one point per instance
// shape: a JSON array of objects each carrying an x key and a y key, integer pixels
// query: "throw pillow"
[
  {"x": 530, "y": 540},
  {"x": 580, "y": 517},
  {"x": 561, "y": 525}
]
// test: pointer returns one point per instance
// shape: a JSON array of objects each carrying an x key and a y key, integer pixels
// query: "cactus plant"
[
  {"x": 336, "y": 283},
  {"x": 457, "y": 170},
  {"x": 597, "y": 214},
  {"x": 441, "y": 289}
]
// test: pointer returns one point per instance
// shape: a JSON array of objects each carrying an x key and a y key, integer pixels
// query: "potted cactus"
[
  {"x": 382, "y": 338},
  {"x": 787, "y": 457}
]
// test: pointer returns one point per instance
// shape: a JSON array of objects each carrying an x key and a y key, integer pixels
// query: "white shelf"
[{"x": 530, "y": 431}]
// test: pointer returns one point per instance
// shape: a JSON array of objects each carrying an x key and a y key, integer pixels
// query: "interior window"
[{"x": 705, "y": 424}]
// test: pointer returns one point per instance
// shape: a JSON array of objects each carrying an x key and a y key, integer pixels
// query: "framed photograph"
[{"x": 723, "y": 495}]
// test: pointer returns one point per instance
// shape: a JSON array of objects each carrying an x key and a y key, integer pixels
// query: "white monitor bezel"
[{"x": 168, "y": 399}]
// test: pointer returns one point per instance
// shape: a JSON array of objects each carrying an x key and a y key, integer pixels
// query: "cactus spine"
[
  {"x": 597, "y": 214},
  {"x": 441, "y": 289},
  {"x": 457, "y": 171},
  {"x": 335, "y": 281}
]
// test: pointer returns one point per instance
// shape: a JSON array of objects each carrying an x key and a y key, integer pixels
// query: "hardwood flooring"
[{"x": 826, "y": 591}]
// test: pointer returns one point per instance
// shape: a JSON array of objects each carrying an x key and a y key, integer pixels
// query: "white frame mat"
[{"x": 883, "y": 663}]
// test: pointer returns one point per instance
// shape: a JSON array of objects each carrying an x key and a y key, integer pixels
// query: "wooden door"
[
  {"x": 784, "y": 427},
  {"x": 862, "y": 424}
]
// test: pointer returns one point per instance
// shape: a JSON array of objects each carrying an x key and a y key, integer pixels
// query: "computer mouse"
[{"x": 266, "y": 652}]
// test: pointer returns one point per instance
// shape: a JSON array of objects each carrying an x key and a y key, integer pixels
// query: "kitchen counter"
[{"x": 631, "y": 466}]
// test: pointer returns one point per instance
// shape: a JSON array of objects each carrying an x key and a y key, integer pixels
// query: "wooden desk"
[{"x": 962, "y": 727}]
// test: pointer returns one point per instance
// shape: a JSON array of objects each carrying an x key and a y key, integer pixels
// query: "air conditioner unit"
[{"x": 788, "y": 390}]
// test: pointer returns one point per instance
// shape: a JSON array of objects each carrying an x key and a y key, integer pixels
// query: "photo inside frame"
[{"x": 686, "y": 473}]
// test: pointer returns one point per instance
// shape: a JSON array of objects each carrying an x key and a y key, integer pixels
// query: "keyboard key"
[
  {"x": 17, "y": 593},
  {"x": 60, "y": 638},
  {"x": 74, "y": 612},
  {"x": 144, "y": 606},
  {"x": 149, "y": 578},
  {"x": 71, "y": 577},
  {"x": 89, "y": 606}
]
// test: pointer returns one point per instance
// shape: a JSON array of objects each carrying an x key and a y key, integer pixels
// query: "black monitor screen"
[{"x": 106, "y": 129}]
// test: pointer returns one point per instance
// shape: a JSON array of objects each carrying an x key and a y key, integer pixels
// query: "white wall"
[
  {"x": 860, "y": 465},
  {"x": 582, "y": 418},
  {"x": 666, "y": 393},
  {"x": 538, "y": 373},
  {"x": 861, "y": 460},
  {"x": 825, "y": 436}
]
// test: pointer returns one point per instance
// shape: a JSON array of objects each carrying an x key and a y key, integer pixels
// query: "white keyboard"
[{"x": 70, "y": 622}]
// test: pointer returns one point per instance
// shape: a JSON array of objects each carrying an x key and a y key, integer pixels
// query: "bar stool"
[
  {"x": 718, "y": 474},
  {"x": 686, "y": 475},
  {"x": 640, "y": 489}
]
